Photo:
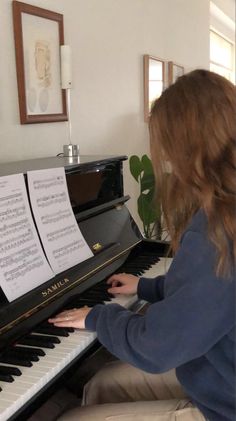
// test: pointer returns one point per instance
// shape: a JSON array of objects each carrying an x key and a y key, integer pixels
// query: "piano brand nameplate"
[
  {"x": 56, "y": 286},
  {"x": 62, "y": 239},
  {"x": 23, "y": 265}
]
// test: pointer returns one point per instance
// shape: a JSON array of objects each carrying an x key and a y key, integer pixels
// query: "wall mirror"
[
  {"x": 174, "y": 71},
  {"x": 154, "y": 81}
]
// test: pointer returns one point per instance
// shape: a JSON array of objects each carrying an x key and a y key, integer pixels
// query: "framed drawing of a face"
[{"x": 38, "y": 36}]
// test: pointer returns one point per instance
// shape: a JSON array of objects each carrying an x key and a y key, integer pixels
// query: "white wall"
[
  {"x": 222, "y": 17},
  {"x": 227, "y": 6},
  {"x": 108, "y": 39}
]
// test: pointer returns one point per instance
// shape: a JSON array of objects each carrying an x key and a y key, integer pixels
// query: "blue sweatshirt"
[{"x": 190, "y": 325}]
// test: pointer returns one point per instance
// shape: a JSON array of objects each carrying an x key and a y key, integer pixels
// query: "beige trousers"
[{"x": 120, "y": 392}]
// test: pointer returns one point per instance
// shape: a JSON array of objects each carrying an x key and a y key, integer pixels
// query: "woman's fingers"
[
  {"x": 71, "y": 318},
  {"x": 116, "y": 279},
  {"x": 66, "y": 315},
  {"x": 123, "y": 283},
  {"x": 116, "y": 290},
  {"x": 114, "y": 283}
]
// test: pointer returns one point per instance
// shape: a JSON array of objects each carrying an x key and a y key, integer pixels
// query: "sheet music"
[
  {"x": 62, "y": 239},
  {"x": 23, "y": 265}
]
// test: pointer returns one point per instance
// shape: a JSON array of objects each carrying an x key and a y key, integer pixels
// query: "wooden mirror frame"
[
  {"x": 146, "y": 67},
  {"x": 174, "y": 71}
]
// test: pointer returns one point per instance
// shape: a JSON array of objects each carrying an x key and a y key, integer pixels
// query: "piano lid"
[
  {"x": 81, "y": 163},
  {"x": 96, "y": 193},
  {"x": 95, "y": 183}
]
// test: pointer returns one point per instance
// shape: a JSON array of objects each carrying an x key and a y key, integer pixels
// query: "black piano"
[{"x": 34, "y": 356}]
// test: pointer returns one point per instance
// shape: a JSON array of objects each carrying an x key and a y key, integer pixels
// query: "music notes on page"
[
  {"x": 23, "y": 265},
  {"x": 62, "y": 239}
]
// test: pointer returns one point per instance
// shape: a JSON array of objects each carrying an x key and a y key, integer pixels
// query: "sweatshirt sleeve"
[
  {"x": 198, "y": 310},
  {"x": 151, "y": 290}
]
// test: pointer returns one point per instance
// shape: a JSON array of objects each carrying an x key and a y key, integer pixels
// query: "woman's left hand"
[{"x": 71, "y": 318}]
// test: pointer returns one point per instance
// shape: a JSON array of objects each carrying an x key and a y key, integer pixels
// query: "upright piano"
[{"x": 33, "y": 354}]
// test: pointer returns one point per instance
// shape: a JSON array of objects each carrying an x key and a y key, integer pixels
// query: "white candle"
[{"x": 66, "y": 78}]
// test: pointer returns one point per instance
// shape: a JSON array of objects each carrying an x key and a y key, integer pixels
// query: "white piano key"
[
  {"x": 9, "y": 403},
  {"x": 5, "y": 410},
  {"x": 18, "y": 389},
  {"x": 123, "y": 300},
  {"x": 7, "y": 398},
  {"x": 12, "y": 403},
  {"x": 159, "y": 269}
]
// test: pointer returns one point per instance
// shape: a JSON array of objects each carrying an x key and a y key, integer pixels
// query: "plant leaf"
[
  {"x": 135, "y": 166},
  {"x": 148, "y": 209},
  {"x": 146, "y": 213},
  {"x": 147, "y": 182},
  {"x": 147, "y": 165}
]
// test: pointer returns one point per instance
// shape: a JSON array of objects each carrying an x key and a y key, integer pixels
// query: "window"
[{"x": 222, "y": 54}]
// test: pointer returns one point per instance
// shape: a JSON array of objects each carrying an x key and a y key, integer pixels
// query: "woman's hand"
[
  {"x": 122, "y": 283},
  {"x": 71, "y": 318}
]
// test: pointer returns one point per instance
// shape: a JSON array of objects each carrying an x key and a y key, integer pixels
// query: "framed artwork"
[
  {"x": 174, "y": 71},
  {"x": 154, "y": 81},
  {"x": 38, "y": 36}
]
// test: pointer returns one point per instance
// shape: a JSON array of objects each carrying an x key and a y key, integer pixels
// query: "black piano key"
[
  {"x": 83, "y": 296},
  {"x": 145, "y": 257},
  {"x": 139, "y": 266},
  {"x": 45, "y": 338},
  {"x": 92, "y": 301},
  {"x": 52, "y": 330},
  {"x": 23, "y": 354},
  {"x": 93, "y": 293},
  {"x": 67, "y": 329},
  {"x": 107, "y": 297},
  {"x": 103, "y": 288},
  {"x": 15, "y": 361},
  {"x": 14, "y": 371},
  {"x": 6, "y": 378},
  {"x": 134, "y": 272},
  {"x": 100, "y": 295},
  {"x": 101, "y": 285},
  {"x": 35, "y": 342},
  {"x": 136, "y": 269},
  {"x": 84, "y": 302},
  {"x": 40, "y": 340},
  {"x": 149, "y": 258},
  {"x": 37, "y": 351}
]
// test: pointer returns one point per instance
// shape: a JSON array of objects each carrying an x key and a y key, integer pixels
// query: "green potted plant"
[{"x": 149, "y": 210}]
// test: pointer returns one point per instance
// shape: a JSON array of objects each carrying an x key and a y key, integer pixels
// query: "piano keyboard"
[{"x": 19, "y": 389}]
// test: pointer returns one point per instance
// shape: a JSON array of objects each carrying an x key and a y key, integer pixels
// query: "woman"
[{"x": 189, "y": 327}]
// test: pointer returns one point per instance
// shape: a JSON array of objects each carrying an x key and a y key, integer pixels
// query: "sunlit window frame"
[{"x": 231, "y": 70}]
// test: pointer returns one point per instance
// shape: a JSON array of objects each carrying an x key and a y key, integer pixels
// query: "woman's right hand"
[{"x": 123, "y": 283}]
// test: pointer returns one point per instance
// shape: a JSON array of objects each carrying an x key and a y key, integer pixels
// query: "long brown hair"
[{"x": 193, "y": 125}]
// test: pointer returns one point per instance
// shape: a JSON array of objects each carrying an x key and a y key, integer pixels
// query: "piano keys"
[{"x": 34, "y": 354}]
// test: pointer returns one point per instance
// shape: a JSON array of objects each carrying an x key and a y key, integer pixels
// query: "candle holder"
[{"x": 69, "y": 150}]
